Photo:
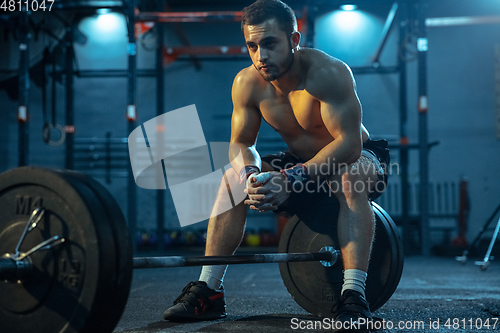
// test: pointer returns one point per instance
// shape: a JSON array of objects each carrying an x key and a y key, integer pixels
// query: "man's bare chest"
[{"x": 293, "y": 113}]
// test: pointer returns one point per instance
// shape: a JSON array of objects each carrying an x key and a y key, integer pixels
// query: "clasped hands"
[{"x": 267, "y": 190}]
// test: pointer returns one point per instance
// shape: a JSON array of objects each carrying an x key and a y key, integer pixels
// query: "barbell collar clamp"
[
  {"x": 335, "y": 254},
  {"x": 45, "y": 245},
  {"x": 35, "y": 218}
]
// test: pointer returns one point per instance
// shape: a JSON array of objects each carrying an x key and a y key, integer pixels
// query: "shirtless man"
[{"x": 310, "y": 99}]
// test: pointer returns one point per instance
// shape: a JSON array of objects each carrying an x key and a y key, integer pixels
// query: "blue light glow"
[
  {"x": 347, "y": 21},
  {"x": 107, "y": 41},
  {"x": 352, "y": 36},
  {"x": 102, "y": 11},
  {"x": 105, "y": 28},
  {"x": 108, "y": 23},
  {"x": 348, "y": 7}
]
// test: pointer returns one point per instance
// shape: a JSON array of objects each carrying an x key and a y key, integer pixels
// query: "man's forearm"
[
  {"x": 248, "y": 156},
  {"x": 333, "y": 156}
]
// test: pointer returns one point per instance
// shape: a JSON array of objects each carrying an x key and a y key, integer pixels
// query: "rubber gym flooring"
[{"x": 436, "y": 294}]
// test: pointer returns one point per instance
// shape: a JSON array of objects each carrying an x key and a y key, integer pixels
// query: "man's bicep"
[
  {"x": 341, "y": 108},
  {"x": 342, "y": 119},
  {"x": 246, "y": 118},
  {"x": 245, "y": 124}
]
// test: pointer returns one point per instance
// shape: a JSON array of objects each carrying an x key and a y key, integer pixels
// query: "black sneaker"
[
  {"x": 353, "y": 311},
  {"x": 197, "y": 302}
]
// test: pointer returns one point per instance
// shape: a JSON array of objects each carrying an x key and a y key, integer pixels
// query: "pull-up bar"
[
  {"x": 461, "y": 20},
  {"x": 208, "y": 16},
  {"x": 168, "y": 17}
]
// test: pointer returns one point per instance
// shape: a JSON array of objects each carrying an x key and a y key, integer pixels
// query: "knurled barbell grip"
[
  {"x": 180, "y": 261},
  {"x": 12, "y": 270},
  {"x": 8, "y": 269}
]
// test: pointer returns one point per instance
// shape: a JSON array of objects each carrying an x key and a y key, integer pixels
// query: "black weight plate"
[
  {"x": 122, "y": 241},
  {"x": 398, "y": 263},
  {"x": 70, "y": 282},
  {"x": 109, "y": 296},
  {"x": 316, "y": 288}
]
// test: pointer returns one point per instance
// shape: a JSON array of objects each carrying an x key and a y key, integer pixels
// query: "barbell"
[{"x": 66, "y": 255}]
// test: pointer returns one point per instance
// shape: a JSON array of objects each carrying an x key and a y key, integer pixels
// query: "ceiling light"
[{"x": 348, "y": 7}]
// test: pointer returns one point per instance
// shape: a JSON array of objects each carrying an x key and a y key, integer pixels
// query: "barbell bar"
[
  {"x": 329, "y": 257},
  {"x": 12, "y": 269}
]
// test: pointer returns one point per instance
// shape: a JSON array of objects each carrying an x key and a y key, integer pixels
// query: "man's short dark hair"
[{"x": 263, "y": 10}]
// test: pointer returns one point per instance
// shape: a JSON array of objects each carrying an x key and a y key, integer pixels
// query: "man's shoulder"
[
  {"x": 325, "y": 73},
  {"x": 248, "y": 76},
  {"x": 318, "y": 62},
  {"x": 246, "y": 87}
]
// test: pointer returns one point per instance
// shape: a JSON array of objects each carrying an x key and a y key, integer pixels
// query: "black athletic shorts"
[{"x": 315, "y": 192}]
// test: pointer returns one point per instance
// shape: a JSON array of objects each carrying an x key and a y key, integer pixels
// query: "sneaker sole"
[{"x": 195, "y": 317}]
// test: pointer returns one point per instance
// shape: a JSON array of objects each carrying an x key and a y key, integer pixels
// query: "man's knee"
[
  {"x": 354, "y": 185},
  {"x": 230, "y": 183},
  {"x": 351, "y": 187},
  {"x": 230, "y": 179},
  {"x": 231, "y": 189}
]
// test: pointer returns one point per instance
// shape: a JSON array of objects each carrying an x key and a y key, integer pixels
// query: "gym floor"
[{"x": 431, "y": 289}]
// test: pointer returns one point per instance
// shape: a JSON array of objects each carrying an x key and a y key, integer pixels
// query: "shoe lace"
[
  {"x": 347, "y": 305},
  {"x": 185, "y": 291},
  {"x": 337, "y": 305}
]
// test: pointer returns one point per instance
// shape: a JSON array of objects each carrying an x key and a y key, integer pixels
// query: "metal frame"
[
  {"x": 422, "y": 46},
  {"x": 160, "y": 105},
  {"x": 24, "y": 87},
  {"x": 70, "y": 99},
  {"x": 131, "y": 110},
  {"x": 403, "y": 128},
  {"x": 170, "y": 54},
  {"x": 207, "y": 16},
  {"x": 399, "y": 13},
  {"x": 385, "y": 34}
]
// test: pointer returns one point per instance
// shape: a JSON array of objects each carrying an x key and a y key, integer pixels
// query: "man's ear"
[{"x": 295, "y": 40}]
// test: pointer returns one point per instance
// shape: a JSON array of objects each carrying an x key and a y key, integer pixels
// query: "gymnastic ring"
[{"x": 46, "y": 134}]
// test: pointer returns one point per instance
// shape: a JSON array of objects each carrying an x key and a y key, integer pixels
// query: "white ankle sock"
[
  {"x": 213, "y": 275},
  {"x": 354, "y": 279}
]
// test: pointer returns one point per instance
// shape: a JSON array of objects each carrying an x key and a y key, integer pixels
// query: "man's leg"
[
  {"x": 225, "y": 231},
  {"x": 356, "y": 221},
  {"x": 355, "y": 227},
  {"x": 204, "y": 299}
]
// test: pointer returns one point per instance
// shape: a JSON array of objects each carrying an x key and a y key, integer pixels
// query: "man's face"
[{"x": 270, "y": 49}]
